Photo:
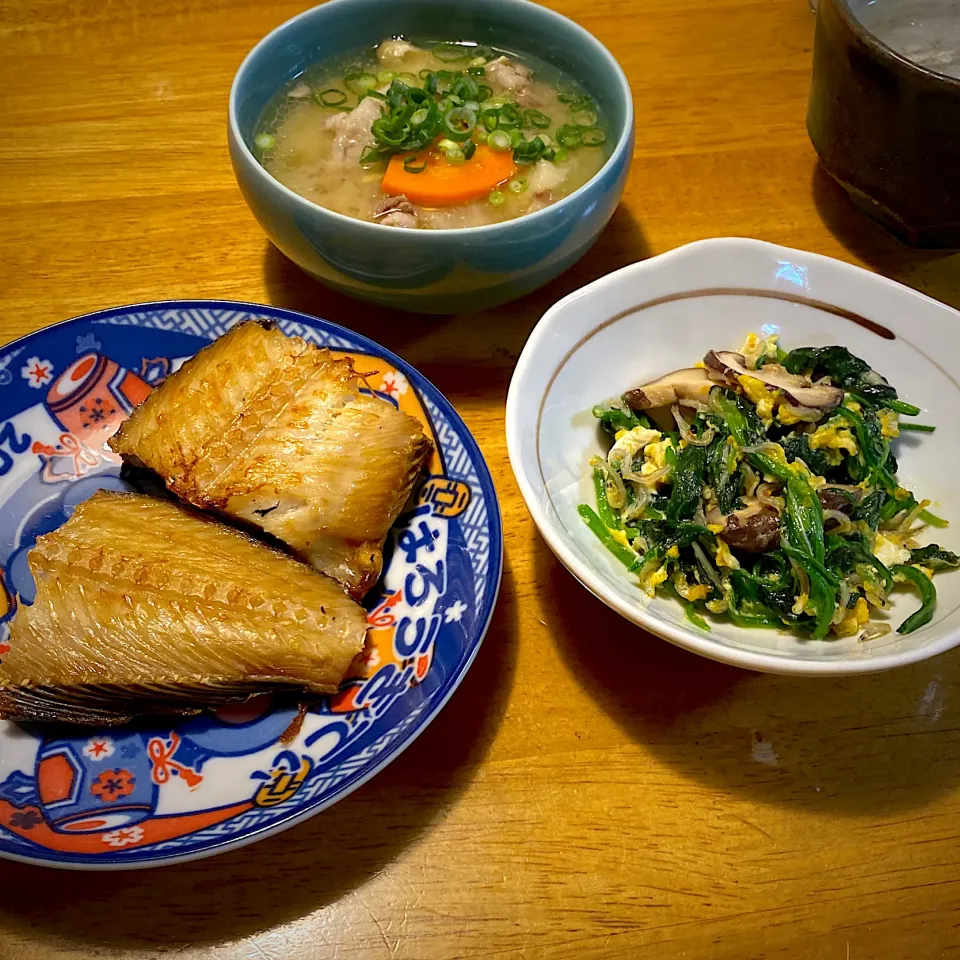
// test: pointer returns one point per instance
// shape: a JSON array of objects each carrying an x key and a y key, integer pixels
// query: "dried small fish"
[
  {"x": 144, "y": 606},
  {"x": 273, "y": 431}
]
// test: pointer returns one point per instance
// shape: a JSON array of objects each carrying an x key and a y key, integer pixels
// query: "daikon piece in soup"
[{"x": 432, "y": 135}]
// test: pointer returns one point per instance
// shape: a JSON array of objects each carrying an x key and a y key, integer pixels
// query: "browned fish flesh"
[
  {"x": 273, "y": 431},
  {"x": 146, "y": 606}
]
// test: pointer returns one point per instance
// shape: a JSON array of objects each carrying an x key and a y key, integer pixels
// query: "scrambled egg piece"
[
  {"x": 620, "y": 537},
  {"x": 655, "y": 458},
  {"x": 651, "y": 581},
  {"x": 888, "y": 549},
  {"x": 631, "y": 442},
  {"x": 889, "y": 424},
  {"x": 833, "y": 437},
  {"x": 715, "y": 527},
  {"x": 760, "y": 395},
  {"x": 724, "y": 557},
  {"x": 673, "y": 552},
  {"x": 855, "y": 620},
  {"x": 696, "y": 591},
  {"x": 787, "y": 417},
  {"x": 756, "y": 390},
  {"x": 756, "y": 348},
  {"x": 800, "y": 604}
]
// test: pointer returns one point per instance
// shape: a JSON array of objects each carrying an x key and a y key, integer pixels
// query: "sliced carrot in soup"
[{"x": 444, "y": 184}]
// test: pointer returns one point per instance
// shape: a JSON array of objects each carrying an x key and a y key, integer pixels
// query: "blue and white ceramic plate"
[{"x": 182, "y": 789}]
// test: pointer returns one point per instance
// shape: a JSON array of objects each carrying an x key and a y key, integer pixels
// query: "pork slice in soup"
[{"x": 439, "y": 136}]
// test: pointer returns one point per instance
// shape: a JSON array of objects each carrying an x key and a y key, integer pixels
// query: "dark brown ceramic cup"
[{"x": 887, "y": 129}]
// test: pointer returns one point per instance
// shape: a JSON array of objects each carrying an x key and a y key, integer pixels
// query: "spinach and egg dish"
[
  {"x": 432, "y": 135},
  {"x": 760, "y": 486}
]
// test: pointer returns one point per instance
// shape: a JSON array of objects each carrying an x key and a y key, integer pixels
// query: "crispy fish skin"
[
  {"x": 273, "y": 431},
  {"x": 146, "y": 606}
]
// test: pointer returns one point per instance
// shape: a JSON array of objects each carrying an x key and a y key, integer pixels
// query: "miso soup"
[{"x": 432, "y": 135}]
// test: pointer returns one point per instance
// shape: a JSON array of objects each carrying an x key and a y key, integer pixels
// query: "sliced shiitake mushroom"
[
  {"x": 692, "y": 383},
  {"x": 799, "y": 390},
  {"x": 753, "y": 529}
]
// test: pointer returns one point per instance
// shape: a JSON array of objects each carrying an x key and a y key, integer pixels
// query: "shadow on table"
[
  {"x": 288, "y": 876},
  {"x": 455, "y": 352},
  {"x": 850, "y": 745},
  {"x": 933, "y": 272}
]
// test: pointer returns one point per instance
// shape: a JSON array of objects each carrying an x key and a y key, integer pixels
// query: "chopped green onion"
[
  {"x": 445, "y": 146},
  {"x": 518, "y": 185},
  {"x": 465, "y": 87},
  {"x": 407, "y": 77},
  {"x": 372, "y": 154},
  {"x": 585, "y": 118},
  {"x": 456, "y": 157},
  {"x": 575, "y": 101},
  {"x": 475, "y": 69},
  {"x": 516, "y": 137},
  {"x": 265, "y": 141},
  {"x": 528, "y": 151},
  {"x": 569, "y": 136},
  {"x": 480, "y": 135},
  {"x": 360, "y": 83},
  {"x": 593, "y": 137},
  {"x": 386, "y": 76},
  {"x": 469, "y": 149},
  {"x": 496, "y": 198},
  {"x": 419, "y": 117},
  {"x": 458, "y": 123},
  {"x": 412, "y": 165},
  {"x": 509, "y": 116},
  {"x": 560, "y": 154},
  {"x": 451, "y": 52},
  {"x": 919, "y": 427},
  {"x": 534, "y": 118},
  {"x": 499, "y": 140},
  {"x": 484, "y": 92},
  {"x": 331, "y": 97}
]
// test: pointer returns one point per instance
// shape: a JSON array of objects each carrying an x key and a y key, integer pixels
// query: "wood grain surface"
[{"x": 590, "y": 790}]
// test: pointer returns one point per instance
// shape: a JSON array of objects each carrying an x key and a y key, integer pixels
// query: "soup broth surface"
[{"x": 535, "y": 135}]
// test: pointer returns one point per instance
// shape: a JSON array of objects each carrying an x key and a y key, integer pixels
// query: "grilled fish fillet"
[
  {"x": 144, "y": 606},
  {"x": 273, "y": 431}
]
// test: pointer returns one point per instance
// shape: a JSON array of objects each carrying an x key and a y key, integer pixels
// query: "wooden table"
[{"x": 590, "y": 790}]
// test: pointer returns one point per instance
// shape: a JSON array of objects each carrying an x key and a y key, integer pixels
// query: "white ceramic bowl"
[{"x": 665, "y": 313}]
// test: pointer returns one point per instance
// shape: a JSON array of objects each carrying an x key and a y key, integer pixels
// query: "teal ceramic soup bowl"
[{"x": 431, "y": 271}]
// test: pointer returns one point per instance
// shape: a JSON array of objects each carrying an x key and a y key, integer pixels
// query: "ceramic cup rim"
[{"x": 878, "y": 47}]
